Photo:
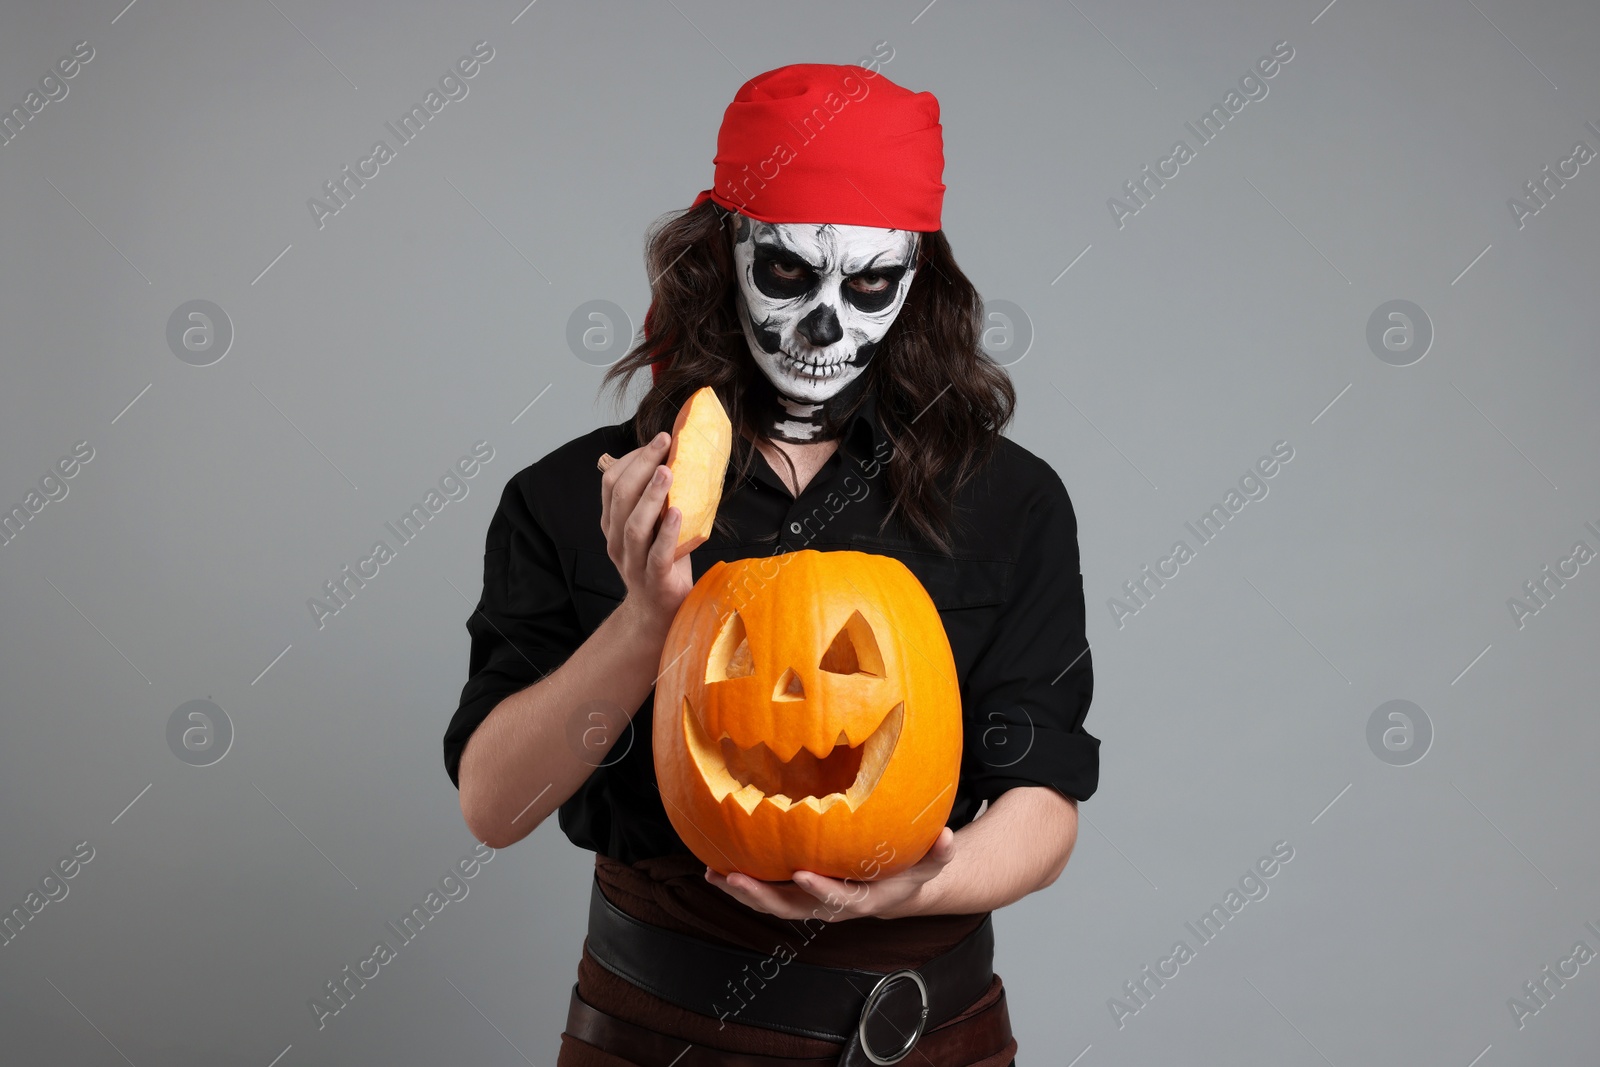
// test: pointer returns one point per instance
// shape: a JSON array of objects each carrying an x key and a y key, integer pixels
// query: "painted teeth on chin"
[{"x": 825, "y": 370}]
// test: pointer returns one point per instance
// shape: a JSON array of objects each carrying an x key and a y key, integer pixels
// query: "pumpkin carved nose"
[{"x": 789, "y": 687}]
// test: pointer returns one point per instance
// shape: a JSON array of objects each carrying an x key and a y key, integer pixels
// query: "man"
[{"x": 813, "y": 289}]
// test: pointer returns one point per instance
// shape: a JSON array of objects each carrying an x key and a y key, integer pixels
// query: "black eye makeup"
[
  {"x": 874, "y": 290},
  {"x": 782, "y": 275}
]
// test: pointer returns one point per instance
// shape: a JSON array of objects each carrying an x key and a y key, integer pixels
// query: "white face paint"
[{"x": 815, "y": 300}]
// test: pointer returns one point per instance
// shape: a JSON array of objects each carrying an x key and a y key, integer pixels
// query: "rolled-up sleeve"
[
  {"x": 524, "y": 626},
  {"x": 1028, "y": 693}
]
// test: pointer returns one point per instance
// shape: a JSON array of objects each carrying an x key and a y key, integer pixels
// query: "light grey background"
[{"x": 371, "y": 353}]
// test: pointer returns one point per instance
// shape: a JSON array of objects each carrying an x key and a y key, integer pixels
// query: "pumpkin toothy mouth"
[{"x": 755, "y": 774}]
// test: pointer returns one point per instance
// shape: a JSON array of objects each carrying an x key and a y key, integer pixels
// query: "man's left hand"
[{"x": 886, "y": 898}]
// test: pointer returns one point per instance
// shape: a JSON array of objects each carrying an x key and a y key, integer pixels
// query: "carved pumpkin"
[{"x": 808, "y": 717}]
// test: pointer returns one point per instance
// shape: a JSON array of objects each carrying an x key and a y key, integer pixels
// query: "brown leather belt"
[
  {"x": 878, "y": 1018},
  {"x": 954, "y": 1043}
]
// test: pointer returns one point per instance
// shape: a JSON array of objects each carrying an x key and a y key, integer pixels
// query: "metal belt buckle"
[{"x": 873, "y": 997}]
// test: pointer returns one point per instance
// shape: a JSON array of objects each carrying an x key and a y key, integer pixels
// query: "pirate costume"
[{"x": 674, "y": 971}]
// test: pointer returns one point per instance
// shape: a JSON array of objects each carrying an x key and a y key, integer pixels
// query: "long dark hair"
[{"x": 942, "y": 401}]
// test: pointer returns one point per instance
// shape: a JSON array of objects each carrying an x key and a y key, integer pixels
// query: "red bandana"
[{"x": 822, "y": 142}]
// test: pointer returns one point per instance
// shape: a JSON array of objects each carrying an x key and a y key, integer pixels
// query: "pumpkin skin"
[{"x": 808, "y": 717}]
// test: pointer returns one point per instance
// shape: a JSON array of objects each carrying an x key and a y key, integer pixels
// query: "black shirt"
[{"x": 1010, "y": 596}]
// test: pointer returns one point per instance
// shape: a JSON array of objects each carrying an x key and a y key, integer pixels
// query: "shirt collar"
[{"x": 865, "y": 434}]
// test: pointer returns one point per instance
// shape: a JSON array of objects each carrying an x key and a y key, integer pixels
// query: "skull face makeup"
[{"x": 815, "y": 300}]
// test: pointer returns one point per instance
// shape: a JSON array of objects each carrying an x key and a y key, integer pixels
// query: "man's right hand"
[{"x": 641, "y": 540}]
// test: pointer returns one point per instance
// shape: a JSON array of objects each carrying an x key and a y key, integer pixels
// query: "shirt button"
[{"x": 794, "y": 527}]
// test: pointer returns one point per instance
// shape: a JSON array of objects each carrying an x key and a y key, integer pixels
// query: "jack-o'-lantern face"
[{"x": 808, "y": 717}]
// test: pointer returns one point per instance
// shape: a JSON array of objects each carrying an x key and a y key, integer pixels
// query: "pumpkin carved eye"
[
  {"x": 854, "y": 650},
  {"x": 730, "y": 652}
]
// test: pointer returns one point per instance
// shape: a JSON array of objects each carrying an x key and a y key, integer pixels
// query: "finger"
[
  {"x": 683, "y": 567},
  {"x": 640, "y": 529},
  {"x": 939, "y": 856},
  {"x": 829, "y": 899},
  {"x": 781, "y": 900},
  {"x": 629, "y": 475},
  {"x": 758, "y": 895},
  {"x": 608, "y": 483},
  {"x": 823, "y": 887},
  {"x": 943, "y": 849},
  {"x": 608, "y": 488},
  {"x": 660, "y": 560},
  {"x": 612, "y": 511},
  {"x": 632, "y": 480}
]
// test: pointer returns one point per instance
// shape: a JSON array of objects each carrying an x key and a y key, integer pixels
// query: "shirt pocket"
[
  {"x": 953, "y": 582},
  {"x": 969, "y": 593},
  {"x": 597, "y": 588}
]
